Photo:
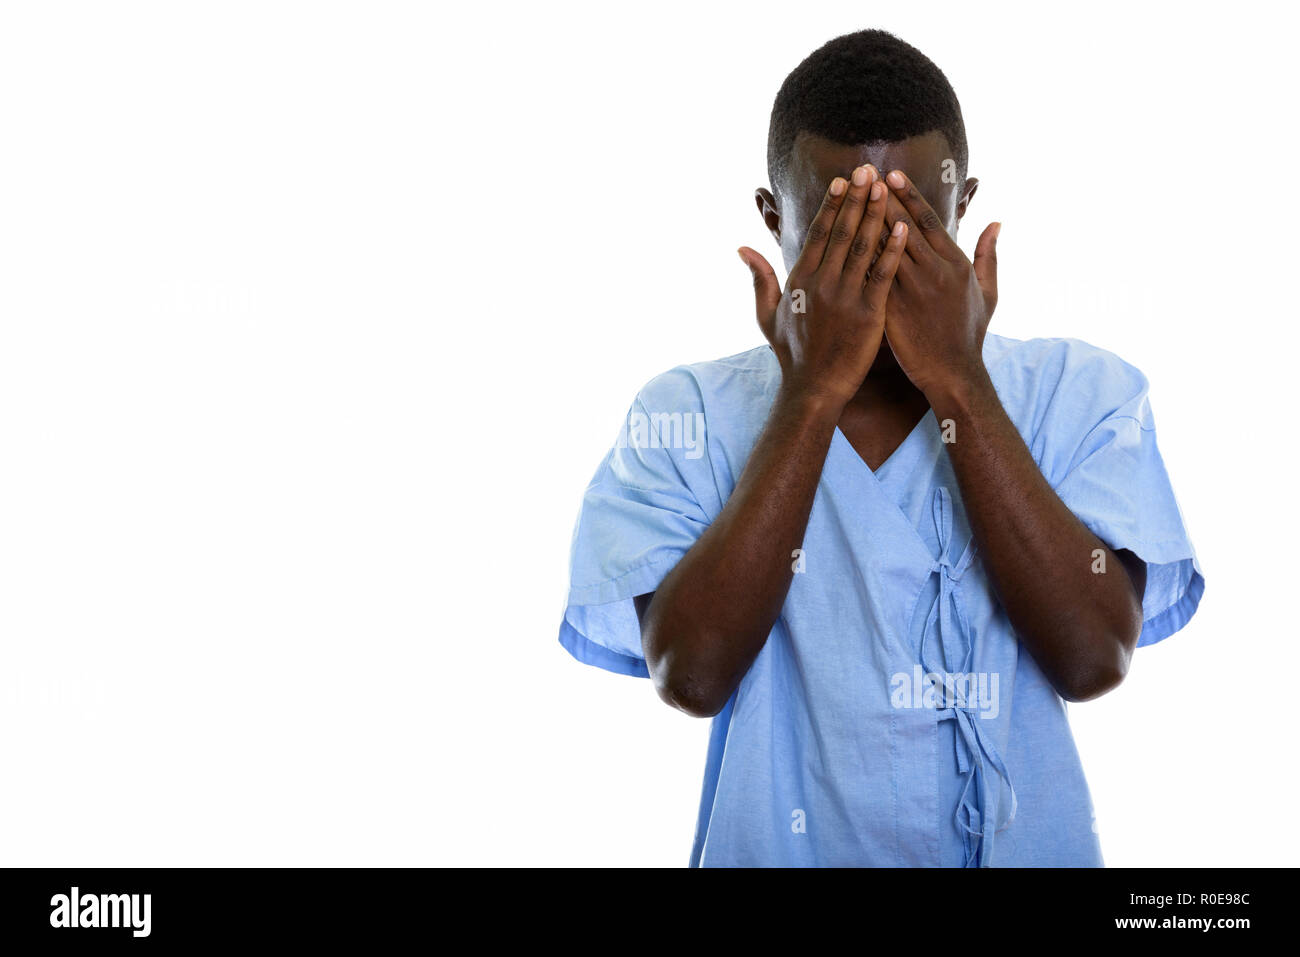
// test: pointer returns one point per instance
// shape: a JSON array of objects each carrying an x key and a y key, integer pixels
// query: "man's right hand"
[{"x": 827, "y": 326}]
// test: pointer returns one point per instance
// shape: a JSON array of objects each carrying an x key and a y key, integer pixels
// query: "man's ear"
[
  {"x": 767, "y": 209},
  {"x": 967, "y": 194}
]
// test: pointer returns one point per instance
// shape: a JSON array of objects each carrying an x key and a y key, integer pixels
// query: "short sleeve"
[
  {"x": 638, "y": 517},
  {"x": 1118, "y": 487}
]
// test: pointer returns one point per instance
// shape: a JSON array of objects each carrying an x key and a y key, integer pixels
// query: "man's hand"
[
  {"x": 941, "y": 303},
  {"x": 827, "y": 326}
]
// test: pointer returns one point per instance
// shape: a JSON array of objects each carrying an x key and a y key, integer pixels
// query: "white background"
[{"x": 318, "y": 318}]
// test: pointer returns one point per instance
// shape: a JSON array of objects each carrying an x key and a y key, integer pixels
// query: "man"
[{"x": 882, "y": 551}]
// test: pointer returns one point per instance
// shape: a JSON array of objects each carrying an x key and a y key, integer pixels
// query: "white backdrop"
[{"x": 316, "y": 319}]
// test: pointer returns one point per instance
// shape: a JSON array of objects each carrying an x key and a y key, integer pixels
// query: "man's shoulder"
[
  {"x": 1049, "y": 353},
  {"x": 1044, "y": 368},
  {"x": 735, "y": 380}
]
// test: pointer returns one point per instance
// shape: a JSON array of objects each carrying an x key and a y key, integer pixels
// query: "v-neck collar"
[
  {"x": 899, "y": 462},
  {"x": 881, "y": 493}
]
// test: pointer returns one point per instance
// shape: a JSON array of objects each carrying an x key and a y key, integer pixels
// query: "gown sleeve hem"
[
  {"x": 639, "y": 581},
  {"x": 589, "y": 653},
  {"x": 1173, "y": 618}
]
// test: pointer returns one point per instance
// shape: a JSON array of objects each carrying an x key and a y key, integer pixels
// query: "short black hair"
[{"x": 864, "y": 87}]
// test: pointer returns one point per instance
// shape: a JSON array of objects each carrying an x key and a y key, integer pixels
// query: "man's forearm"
[
  {"x": 712, "y": 613},
  {"x": 1080, "y": 626}
]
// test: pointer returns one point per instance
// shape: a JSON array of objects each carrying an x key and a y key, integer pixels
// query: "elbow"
[
  {"x": 1103, "y": 652},
  {"x": 690, "y": 696},
  {"x": 1090, "y": 683},
  {"x": 1098, "y": 676},
  {"x": 688, "y": 685},
  {"x": 687, "y": 675}
]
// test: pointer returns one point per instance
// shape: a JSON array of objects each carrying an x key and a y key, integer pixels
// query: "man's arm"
[
  {"x": 708, "y": 619},
  {"x": 1080, "y": 627}
]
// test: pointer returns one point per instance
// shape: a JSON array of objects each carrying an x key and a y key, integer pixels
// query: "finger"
[
  {"x": 819, "y": 230},
  {"x": 922, "y": 213},
  {"x": 876, "y": 290},
  {"x": 767, "y": 289},
  {"x": 918, "y": 250},
  {"x": 845, "y": 229},
  {"x": 986, "y": 262},
  {"x": 871, "y": 235}
]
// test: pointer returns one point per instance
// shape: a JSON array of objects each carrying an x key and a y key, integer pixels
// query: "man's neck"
[{"x": 885, "y": 387}]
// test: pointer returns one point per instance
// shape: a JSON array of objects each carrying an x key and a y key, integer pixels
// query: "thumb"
[
  {"x": 767, "y": 289},
  {"x": 986, "y": 262}
]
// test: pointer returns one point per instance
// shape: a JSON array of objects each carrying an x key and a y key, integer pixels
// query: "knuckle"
[
  {"x": 817, "y": 232},
  {"x": 841, "y": 233},
  {"x": 824, "y": 299},
  {"x": 860, "y": 247},
  {"x": 930, "y": 220}
]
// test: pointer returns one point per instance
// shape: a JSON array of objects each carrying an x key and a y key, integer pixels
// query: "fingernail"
[
  {"x": 860, "y": 176},
  {"x": 877, "y": 190},
  {"x": 899, "y": 228},
  {"x": 896, "y": 179},
  {"x": 837, "y": 186}
]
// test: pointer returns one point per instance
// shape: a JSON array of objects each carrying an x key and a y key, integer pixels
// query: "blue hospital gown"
[{"x": 838, "y": 748}]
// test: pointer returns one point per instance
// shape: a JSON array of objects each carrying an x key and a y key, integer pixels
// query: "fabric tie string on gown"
[{"x": 977, "y": 756}]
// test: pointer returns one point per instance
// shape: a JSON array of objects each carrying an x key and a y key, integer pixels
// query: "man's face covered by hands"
[
  {"x": 815, "y": 161},
  {"x": 932, "y": 304}
]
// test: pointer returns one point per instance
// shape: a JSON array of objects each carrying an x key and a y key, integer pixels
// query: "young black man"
[{"x": 883, "y": 550}]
